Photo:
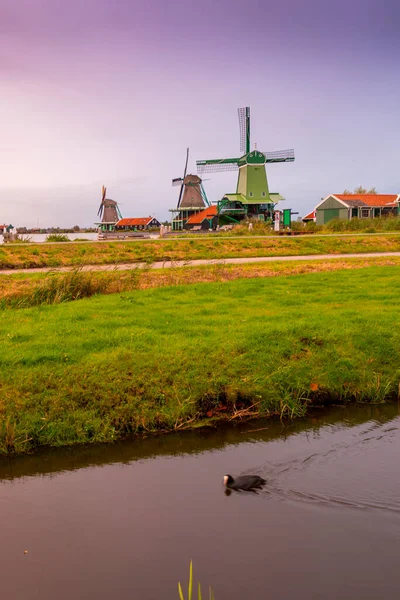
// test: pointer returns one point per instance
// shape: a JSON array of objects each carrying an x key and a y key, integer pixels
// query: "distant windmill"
[
  {"x": 108, "y": 212},
  {"x": 108, "y": 209},
  {"x": 191, "y": 193}
]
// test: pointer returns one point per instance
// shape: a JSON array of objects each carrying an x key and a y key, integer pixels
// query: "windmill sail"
[
  {"x": 244, "y": 129},
  {"x": 183, "y": 179},
  {"x": 279, "y": 156},
  {"x": 103, "y": 197},
  {"x": 217, "y": 164}
]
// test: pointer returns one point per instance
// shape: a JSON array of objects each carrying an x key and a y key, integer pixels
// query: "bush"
[
  {"x": 372, "y": 225},
  {"x": 57, "y": 237}
]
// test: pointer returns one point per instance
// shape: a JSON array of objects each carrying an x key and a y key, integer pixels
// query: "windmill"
[
  {"x": 108, "y": 212},
  {"x": 252, "y": 195},
  {"x": 192, "y": 197}
]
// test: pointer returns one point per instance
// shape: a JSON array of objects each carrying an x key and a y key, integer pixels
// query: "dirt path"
[{"x": 196, "y": 263}]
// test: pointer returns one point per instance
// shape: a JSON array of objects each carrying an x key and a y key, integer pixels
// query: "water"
[
  {"x": 41, "y": 237},
  {"x": 123, "y": 521},
  {"x": 90, "y": 236}
]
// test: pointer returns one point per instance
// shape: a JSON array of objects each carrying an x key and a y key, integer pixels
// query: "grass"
[
  {"x": 100, "y": 368},
  {"x": 148, "y": 251},
  {"x": 35, "y": 289}
]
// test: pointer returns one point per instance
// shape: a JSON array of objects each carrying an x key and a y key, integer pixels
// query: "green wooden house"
[{"x": 359, "y": 206}]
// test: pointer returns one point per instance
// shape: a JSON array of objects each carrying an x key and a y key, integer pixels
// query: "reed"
[{"x": 190, "y": 588}]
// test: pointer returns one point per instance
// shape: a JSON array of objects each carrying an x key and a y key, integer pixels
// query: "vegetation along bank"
[
  {"x": 149, "y": 251},
  {"x": 104, "y": 367}
]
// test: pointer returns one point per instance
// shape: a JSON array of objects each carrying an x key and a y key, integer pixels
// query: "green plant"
[
  {"x": 57, "y": 237},
  {"x": 190, "y": 588}
]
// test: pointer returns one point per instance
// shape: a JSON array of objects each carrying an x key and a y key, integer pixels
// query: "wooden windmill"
[
  {"x": 192, "y": 197},
  {"x": 252, "y": 197},
  {"x": 108, "y": 212}
]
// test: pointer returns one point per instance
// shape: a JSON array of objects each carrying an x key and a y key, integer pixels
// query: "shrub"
[{"x": 57, "y": 237}]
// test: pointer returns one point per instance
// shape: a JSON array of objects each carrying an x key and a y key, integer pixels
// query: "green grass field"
[
  {"x": 148, "y": 251},
  {"x": 25, "y": 290},
  {"x": 103, "y": 367}
]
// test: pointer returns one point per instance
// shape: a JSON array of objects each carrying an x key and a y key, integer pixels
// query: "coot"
[{"x": 244, "y": 482}]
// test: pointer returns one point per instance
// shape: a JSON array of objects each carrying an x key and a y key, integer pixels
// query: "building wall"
[
  {"x": 253, "y": 180},
  {"x": 331, "y": 209}
]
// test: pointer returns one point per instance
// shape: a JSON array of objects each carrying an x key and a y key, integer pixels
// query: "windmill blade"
[
  {"x": 216, "y": 165},
  {"x": 103, "y": 197},
  {"x": 216, "y": 168},
  {"x": 177, "y": 181},
  {"x": 279, "y": 156},
  {"x": 186, "y": 163},
  {"x": 183, "y": 178},
  {"x": 244, "y": 129},
  {"x": 180, "y": 195}
]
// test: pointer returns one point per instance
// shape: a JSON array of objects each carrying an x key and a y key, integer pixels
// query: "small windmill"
[
  {"x": 252, "y": 192},
  {"x": 192, "y": 196},
  {"x": 108, "y": 212}
]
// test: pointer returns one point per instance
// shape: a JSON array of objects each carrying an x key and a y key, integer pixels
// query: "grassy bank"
[
  {"x": 149, "y": 251},
  {"x": 100, "y": 368},
  {"x": 373, "y": 225},
  {"x": 25, "y": 290}
]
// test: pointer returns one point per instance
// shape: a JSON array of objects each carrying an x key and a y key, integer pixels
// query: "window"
[
  {"x": 364, "y": 213},
  {"x": 251, "y": 194},
  {"x": 263, "y": 194}
]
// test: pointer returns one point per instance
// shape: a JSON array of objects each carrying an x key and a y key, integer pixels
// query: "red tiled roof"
[
  {"x": 370, "y": 199},
  {"x": 310, "y": 216},
  {"x": 136, "y": 221},
  {"x": 208, "y": 213}
]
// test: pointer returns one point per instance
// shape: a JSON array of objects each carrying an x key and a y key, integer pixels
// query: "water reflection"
[
  {"x": 50, "y": 461},
  {"x": 124, "y": 520}
]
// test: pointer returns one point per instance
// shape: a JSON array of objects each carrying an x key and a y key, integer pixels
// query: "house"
[
  {"x": 137, "y": 223},
  {"x": 205, "y": 220},
  {"x": 360, "y": 206},
  {"x": 310, "y": 217},
  {"x": 6, "y": 229}
]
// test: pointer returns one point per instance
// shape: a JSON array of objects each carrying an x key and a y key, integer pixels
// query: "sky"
[{"x": 113, "y": 92}]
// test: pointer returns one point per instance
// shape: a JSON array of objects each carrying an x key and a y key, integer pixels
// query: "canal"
[{"x": 123, "y": 521}]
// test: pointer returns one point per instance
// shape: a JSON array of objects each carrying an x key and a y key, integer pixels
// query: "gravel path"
[{"x": 196, "y": 263}]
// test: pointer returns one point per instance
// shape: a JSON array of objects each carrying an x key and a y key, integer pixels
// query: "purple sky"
[{"x": 111, "y": 91}]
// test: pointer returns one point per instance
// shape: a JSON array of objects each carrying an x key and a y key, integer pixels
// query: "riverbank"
[
  {"x": 30, "y": 256},
  {"x": 23, "y": 290},
  {"x": 101, "y": 368}
]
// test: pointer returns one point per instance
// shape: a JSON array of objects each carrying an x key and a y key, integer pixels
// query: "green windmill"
[{"x": 252, "y": 197}]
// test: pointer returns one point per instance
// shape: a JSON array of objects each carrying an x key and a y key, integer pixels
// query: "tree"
[
  {"x": 76, "y": 228},
  {"x": 360, "y": 190}
]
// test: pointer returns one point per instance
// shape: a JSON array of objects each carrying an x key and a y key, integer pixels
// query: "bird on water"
[{"x": 244, "y": 482}]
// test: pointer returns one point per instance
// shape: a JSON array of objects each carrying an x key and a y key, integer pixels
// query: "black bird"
[{"x": 244, "y": 482}]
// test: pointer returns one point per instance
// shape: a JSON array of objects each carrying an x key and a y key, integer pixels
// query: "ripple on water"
[{"x": 352, "y": 468}]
